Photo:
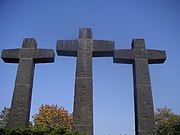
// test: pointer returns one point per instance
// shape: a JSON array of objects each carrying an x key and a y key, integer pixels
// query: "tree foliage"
[
  {"x": 52, "y": 116},
  {"x": 167, "y": 122},
  {"x": 4, "y": 117}
]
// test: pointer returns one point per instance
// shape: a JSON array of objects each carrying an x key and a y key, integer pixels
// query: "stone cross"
[
  {"x": 84, "y": 49},
  {"x": 26, "y": 57},
  {"x": 140, "y": 58}
]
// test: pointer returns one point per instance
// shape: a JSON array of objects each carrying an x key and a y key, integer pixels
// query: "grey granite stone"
[
  {"x": 27, "y": 57},
  {"x": 84, "y": 59},
  {"x": 85, "y": 33},
  {"x": 25, "y": 72},
  {"x": 67, "y": 47},
  {"x": 44, "y": 56},
  {"x": 10, "y": 55},
  {"x": 29, "y": 43},
  {"x": 83, "y": 96},
  {"x": 143, "y": 102},
  {"x": 103, "y": 48},
  {"x": 20, "y": 107},
  {"x": 84, "y": 48}
]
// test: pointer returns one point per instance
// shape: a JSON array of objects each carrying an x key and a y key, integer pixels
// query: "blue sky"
[{"x": 157, "y": 21}]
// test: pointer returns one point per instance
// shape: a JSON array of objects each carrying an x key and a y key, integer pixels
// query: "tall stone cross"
[
  {"x": 140, "y": 58},
  {"x": 26, "y": 57},
  {"x": 84, "y": 49}
]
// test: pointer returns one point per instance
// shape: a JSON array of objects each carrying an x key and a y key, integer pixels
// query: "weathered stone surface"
[
  {"x": 141, "y": 72},
  {"x": 83, "y": 96},
  {"x": 138, "y": 44},
  {"x": 143, "y": 102},
  {"x": 67, "y": 47},
  {"x": 20, "y": 107},
  {"x": 123, "y": 56},
  {"x": 153, "y": 54},
  {"x": 44, "y": 56},
  {"x": 84, "y": 48},
  {"x": 103, "y": 48},
  {"x": 27, "y": 57},
  {"x": 84, "y": 64},
  {"x": 85, "y": 33},
  {"x": 29, "y": 43},
  {"x": 10, "y": 55},
  {"x": 25, "y": 72}
]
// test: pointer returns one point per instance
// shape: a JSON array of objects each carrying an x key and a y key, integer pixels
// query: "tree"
[
  {"x": 167, "y": 122},
  {"x": 4, "y": 117},
  {"x": 52, "y": 116}
]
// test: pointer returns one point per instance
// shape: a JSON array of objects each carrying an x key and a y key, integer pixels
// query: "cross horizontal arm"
[
  {"x": 128, "y": 56},
  {"x": 123, "y": 56},
  {"x": 67, "y": 47},
  {"x": 156, "y": 56},
  {"x": 103, "y": 48},
  {"x": 10, "y": 55},
  {"x": 44, "y": 56}
]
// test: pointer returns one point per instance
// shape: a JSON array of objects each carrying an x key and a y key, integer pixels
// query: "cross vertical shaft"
[
  {"x": 20, "y": 107},
  {"x": 143, "y": 102}
]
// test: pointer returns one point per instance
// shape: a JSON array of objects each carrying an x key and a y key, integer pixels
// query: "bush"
[{"x": 36, "y": 131}]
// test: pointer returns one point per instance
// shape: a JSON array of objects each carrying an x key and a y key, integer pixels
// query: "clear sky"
[{"x": 157, "y": 21}]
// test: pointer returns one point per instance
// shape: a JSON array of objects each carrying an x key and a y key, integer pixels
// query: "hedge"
[{"x": 37, "y": 131}]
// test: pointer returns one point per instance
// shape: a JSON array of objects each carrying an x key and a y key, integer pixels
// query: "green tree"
[
  {"x": 167, "y": 122},
  {"x": 4, "y": 117},
  {"x": 52, "y": 116}
]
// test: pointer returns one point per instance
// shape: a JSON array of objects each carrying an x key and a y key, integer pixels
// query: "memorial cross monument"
[
  {"x": 27, "y": 57},
  {"x": 84, "y": 49},
  {"x": 140, "y": 58}
]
